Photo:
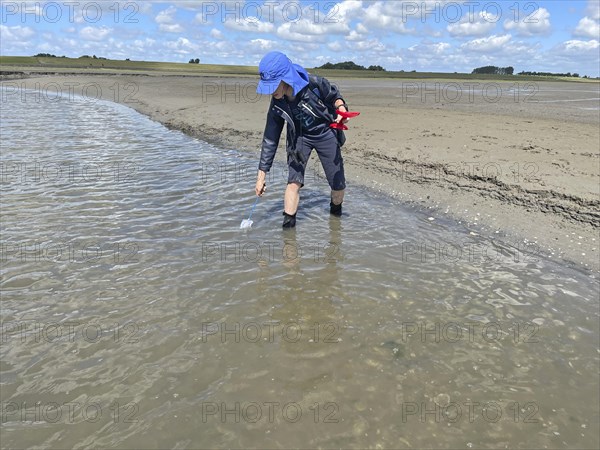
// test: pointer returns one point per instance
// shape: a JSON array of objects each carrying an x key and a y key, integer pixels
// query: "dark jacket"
[{"x": 318, "y": 99}]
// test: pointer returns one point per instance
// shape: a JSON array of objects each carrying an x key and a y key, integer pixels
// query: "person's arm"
[
  {"x": 270, "y": 141},
  {"x": 333, "y": 97},
  {"x": 340, "y": 103},
  {"x": 261, "y": 184}
]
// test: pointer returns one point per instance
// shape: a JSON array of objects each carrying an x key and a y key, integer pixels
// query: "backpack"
[{"x": 315, "y": 87}]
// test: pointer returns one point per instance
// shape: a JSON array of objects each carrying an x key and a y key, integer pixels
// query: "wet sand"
[{"x": 517, "y": 161}]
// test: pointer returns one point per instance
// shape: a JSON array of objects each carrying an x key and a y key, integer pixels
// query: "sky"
[{"x": 421, "y": 35}]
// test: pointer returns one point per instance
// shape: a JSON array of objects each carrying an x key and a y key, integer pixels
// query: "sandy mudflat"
[{"x": 516, "y": 161}]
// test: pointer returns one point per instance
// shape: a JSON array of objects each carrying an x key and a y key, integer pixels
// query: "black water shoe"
[
  {"x": 335, "y": 210},
  {"x": 289, "y": 221}
]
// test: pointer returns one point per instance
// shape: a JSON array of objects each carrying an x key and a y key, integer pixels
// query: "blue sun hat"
[{"x": 274, "y": 68}]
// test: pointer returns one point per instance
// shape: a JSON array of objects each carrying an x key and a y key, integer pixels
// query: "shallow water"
[{"x": 136, "y": 314}]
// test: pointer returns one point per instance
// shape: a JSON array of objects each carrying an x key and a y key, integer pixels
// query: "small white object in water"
[{"x": 246, "y": 223}]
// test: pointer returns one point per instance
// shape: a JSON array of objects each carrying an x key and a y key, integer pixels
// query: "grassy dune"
[{"x": 92, "y": 66}]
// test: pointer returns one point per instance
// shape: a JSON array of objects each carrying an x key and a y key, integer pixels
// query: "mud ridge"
[{"x": 571, "y": 207}]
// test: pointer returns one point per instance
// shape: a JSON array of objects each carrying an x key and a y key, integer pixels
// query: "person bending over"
[{"x": 307, "y": 105}]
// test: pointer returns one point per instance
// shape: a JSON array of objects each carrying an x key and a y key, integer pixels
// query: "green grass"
[
  {"x": 83, "y": 65},
  {"x": 334, "y": 73},
  {"x": 30, "y": 62},
  {"x": 18, "y": 60}
]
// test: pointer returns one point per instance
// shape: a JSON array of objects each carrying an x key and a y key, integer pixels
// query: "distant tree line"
[
  {"x": 549, "y": 74},
  {"x": 93, "y": 57},
  {"x": 194, "y": 61},
  {"x": 47, "y": 55},
  {"x": 493, "y": 70},
  {"x": 350, "y": 65}
]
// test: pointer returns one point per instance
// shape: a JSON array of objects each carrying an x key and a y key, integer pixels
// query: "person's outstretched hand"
[
  {"x": 260, "y": 187},
  {"x": 261, "y": 183},
  {"x": 340, "y": 119}
]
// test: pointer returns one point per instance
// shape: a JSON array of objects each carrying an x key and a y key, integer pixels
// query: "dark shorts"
[{"x": 330, "y": 155}]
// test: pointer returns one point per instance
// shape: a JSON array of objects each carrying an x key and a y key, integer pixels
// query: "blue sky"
[{"x": 422, "y": 35}]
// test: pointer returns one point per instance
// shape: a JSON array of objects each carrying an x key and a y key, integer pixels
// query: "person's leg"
[
  {"x": 296, "y": 171},
  {"x": 291, "y": 198},
  {"x": 331, "y": 159},
  {"x": 335, "y": 206},
  {"x": 290, "y": 204},
  {"x": 337, "y": 197}
]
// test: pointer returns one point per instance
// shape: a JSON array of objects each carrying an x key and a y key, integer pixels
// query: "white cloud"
[
  {"x": 579, "y": 47},
  {"x": 441, "y": 47},
  {"x": 425, "y": 55},
  {"x": 47, "y": 48},
  {"x": 212, "y": 12},
  {"x": 588, "y": 28},
  {"x": 430, "y": 49},
  {"x": 344, "y": 12},
  {"x": 593, "y": 9},
  {"x": 96, "y": 34},
  {"x": 371, "y": 44},
  {"x": 217, "y": 34},
  {"x": 166, "y": 21},
  {"x": 286, "y": 32},
  {"x": 360, "y": 28},
  {"x": 355, "y": 36},
  {"x": 530, "y": 23},
  {"x": 252, "y": 25},
  {"x": 487, "y": 44},
  {"x": 381, "y": 15},
  {"x": 142, "y": 7},
  {"x": 306, "y": 26},
  {"x": 574, "y": 56},
  {"x": 368, "y": 32},
  {"x": 142, "y": 46},
  {"x": 15, "y": 33},
  {"x": 472, "y": 25},
  {"x": 394, "y": 60},
  {"x": 170, "y": 28},
  {"x": 166, "y": 16},
  {"x": 311, "y": 20},
  {"x": 310, "y": 23},
  {"x": 69, "y": 43},
  {"x": 182, "y": 46},
  {"x": 334, "y": 46},
  {"x": 261, "y": 45},
  {"x": 202, "y": 19}
]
